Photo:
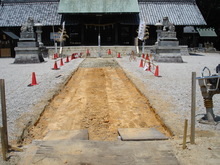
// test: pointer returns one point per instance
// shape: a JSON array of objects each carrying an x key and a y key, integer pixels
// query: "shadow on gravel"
[{"x": 194, "y": 54}]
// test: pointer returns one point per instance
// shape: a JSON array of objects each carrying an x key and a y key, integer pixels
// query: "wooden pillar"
[
  {"x": 116, "y": 34},
  {"x": 4, "y": 114},
  {"x": 132, "y": 34},
  {"x": 82, "y": 34},
  {"x": 193, "y": 108}
]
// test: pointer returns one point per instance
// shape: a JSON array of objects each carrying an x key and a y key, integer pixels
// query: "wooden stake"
[
  {"x": 185, "y": 133},
  {"x": 193, "y": 108},
  {"x": 4, "y": 152},
  {"x": 4, "y": 114}
]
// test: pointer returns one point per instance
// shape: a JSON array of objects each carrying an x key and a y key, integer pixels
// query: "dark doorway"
[
  {"x": 107, "y": 34},
  {"x": 91, "y": 36}
]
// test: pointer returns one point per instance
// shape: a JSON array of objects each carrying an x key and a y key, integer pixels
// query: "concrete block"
[{"x": 140, "y": 134}]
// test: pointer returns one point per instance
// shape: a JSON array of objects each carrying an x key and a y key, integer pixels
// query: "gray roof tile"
[
  {"x": 28, "y": 1},
  {"x": 15, "y": 14},
  {"x": 179, "y": 13}
]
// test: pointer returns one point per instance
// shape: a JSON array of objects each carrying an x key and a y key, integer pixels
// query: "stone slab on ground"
[
  {"x": 99, "y": 153},
  {"x": 67, "y": 134},
  {"x": 138, "y": 134}
]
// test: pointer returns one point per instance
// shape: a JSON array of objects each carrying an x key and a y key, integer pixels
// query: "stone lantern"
[
  {"x": 167, "y": 47},
  {"x": 39, "y": 32},
  {"x": 159, "y": 26},
  {"x": 28, "y": 50}
]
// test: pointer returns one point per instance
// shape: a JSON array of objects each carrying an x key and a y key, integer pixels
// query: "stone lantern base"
[{"x": 28, "y": 50}]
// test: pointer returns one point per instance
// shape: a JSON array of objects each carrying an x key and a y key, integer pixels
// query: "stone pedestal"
[
  {"x": 28, "y": 50},
  {"x": 168, "y": 54},
  {"x": 167, "y": 48}
]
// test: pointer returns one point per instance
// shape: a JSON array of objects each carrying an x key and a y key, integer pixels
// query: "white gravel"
[
  {"x": 170, "y": 94},
  {"x": 22, "y": 101}
]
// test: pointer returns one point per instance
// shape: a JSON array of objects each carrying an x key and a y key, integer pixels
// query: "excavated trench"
[{"x": 98, "y": 97}]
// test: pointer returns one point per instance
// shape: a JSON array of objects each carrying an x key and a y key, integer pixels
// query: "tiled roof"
[
  {"x": 28, "y": 1},
  {"x": 178, "y": 12},
  {"x": 98, "y": 6},
  {"x": 15, "y": 14},
  {"x": 207, "y": 32},
  {"x": 166, "y": 0}
]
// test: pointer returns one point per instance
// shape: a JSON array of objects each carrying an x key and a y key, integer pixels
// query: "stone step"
[
  {"x": 73, "y": 147},
  {"x": 94, "y": 50},
  {"x": 76, "y": 152}
]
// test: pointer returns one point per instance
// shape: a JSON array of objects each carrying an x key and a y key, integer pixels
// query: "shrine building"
[{"x": 115, "y": 21}]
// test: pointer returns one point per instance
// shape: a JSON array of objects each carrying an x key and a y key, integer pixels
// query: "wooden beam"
[{"x": 4, "y": 114}]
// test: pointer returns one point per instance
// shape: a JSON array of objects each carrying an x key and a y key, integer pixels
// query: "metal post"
[
  {"x": 209, "y": 111},
  {"x": 4, "y": 114},
  {"x": 193, "y": 108}
]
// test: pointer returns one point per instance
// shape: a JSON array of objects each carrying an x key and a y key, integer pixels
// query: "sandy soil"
[{"x": 100, "y": 100}]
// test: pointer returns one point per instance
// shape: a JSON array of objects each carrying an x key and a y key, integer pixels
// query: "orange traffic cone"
[
  {"x": 55, "y": 56},
  {"x": 67, "y": 59},
  {"x": 147, "y": 57},
  {"x": 109, "y": 52},
  {"x": 87, "y": 53},
  {"x": 143, "y": 55},
  {"x": 34, "y": 81},
  {"x": 119, "y": 55},
  {"x": 149, "y": 67},
  {"x": 141, "y": 64},
  {"x": 61, "y": 62},
  {"x": 73, "y": 56},
  {"x": 55, "y": 66},
  {"x": 157, "y": 71}
]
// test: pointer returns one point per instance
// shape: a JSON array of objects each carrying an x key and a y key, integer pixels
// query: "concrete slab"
[
  {"x": 100, "y": 153},
  {"x": 67, "y": 135},
  {"x": 138, "y": 134}
]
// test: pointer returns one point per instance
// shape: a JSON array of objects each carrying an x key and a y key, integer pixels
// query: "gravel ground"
[
  {"x": 174, "y": 86},
  {"x": 170, "y": 93},
  {"x": 25, "y": 103}
]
